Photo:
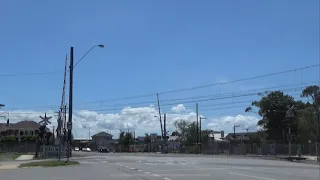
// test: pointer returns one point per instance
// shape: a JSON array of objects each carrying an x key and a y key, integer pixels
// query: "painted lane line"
[
  {"x": 146, "y": 172},
  {"x": 132, "y": 168},
  {"x": 199, "y": 169},
  {"x": 139, "y": 170},
  {"x": 165, "y": 178},
  {"x": 256, "y": 177},
  {"x": 156, "y": 175}
]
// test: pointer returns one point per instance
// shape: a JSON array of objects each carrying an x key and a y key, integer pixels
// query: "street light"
[
  {"x": 100, "y": 46},
  {"x": 69, "y": 124}
]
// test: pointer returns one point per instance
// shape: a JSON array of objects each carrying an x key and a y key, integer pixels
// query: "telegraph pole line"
[
  {"x": 53, "y": 133},
  {"x": 69, "y": 124},
  {"x": 165, "y": 132},
  {"x": 197, "y": 127},
  {"x": 160, "y": 115}
]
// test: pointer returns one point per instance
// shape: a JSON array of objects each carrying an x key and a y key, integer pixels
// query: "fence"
[
  {"x": 19, "y": 147},
  {"x": 264, "y": 149}
]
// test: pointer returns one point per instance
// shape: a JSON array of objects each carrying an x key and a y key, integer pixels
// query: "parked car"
[
  {"x": 86, "y": 149},
  {"x": 103, "y": 150},
  {"x": 76, "y": 149}
]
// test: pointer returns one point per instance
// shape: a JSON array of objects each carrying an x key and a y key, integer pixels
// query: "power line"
[
  {"x": 206, "y": 96},
  {"x": 197, "y": 87},
  {"x": 31, "y": 74},
  {"x": 195, "y": 99},
  {"x": 208, "y": 85},
  {"x": 208, "y": 99}
]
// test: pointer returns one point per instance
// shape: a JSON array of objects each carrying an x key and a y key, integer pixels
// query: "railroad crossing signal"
[{"x": 45, "y": 119}]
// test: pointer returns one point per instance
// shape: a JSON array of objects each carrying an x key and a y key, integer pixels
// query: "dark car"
[{"x": 103, "y": 150}]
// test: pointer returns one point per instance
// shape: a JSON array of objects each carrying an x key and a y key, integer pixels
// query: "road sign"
[
  {"x": 69, "y": 125},
  {"x": 45, "y": 119}
]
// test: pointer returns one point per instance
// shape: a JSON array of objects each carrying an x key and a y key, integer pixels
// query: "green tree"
[
  {"x": 182, "y": 129},
  {"x": 258, "y": 137},
  {"x": 272, "y": 107},
  {"x": 125, "y": 139},
  {"x": 175, "y": 133},
  {"x": 187, "y": 132}
]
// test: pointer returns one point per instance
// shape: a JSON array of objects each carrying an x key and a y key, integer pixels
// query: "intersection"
[{"x": 111, "y": 166}]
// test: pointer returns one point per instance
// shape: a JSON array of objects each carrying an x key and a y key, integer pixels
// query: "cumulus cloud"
[
  {"x": 226, "y": 123},
  {"x": 141, "y": 120},
  {"x": 179, "y": 108}
]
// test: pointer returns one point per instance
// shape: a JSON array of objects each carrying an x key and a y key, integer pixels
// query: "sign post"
[{"x": 289, "y": 118}]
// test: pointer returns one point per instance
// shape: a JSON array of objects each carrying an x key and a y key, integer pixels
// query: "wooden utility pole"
[
  {"x": 165, "y": 133},
  {"x": 160, "y": 115},
  {"x": 69, "y": 124}
]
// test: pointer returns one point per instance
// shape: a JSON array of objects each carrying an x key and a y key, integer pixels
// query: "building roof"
[
  {"x": 20, "y": 125},
  {"x": 240, "y": 135},
  {"x": 102, "y": 134}
]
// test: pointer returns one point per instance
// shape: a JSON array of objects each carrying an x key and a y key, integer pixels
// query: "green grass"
[
  {"x": 49, "y": 163},
  {"x": 9, "y": 156}
]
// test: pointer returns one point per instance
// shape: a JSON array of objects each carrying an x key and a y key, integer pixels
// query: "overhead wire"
[
  {"x": 206, "y": 86},
  {"x": 197, "y": 87},
  {"x": 197, "y": 98}
]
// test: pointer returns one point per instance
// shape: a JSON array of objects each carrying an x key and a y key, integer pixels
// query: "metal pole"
[
  {"x": 289, "y": 132},
  {"x": 70, "y": 98}
]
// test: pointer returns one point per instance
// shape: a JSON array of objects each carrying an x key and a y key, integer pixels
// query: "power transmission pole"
[
  {"x": 69, "y": 124},
  {"x": 53, "y": 133},
  {"x": 160, "y": 115},
  {"x": 165, "y": 132},
  {"x": 197, "y": 126}
]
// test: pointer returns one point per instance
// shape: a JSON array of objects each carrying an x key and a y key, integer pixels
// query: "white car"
[
  {"x": 76, "y": 149},
  {"x": 86, "y": 149}
]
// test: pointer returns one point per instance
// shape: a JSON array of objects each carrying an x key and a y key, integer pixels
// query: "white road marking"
[
  {"x": 139, "y": 170},
  {"x": 191, "y": 169},
  {"x": 132, "y": 168},
  {"x": 156, "y": 175},
  {"x": 146, "y": 172},
  {"x": 165, "y": 178},
  {"x": 256, "y": 177}
]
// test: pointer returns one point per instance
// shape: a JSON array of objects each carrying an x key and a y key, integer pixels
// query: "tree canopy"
[
  {"x": 273, "y": 106},
  {"x": 187, "y": 132}
]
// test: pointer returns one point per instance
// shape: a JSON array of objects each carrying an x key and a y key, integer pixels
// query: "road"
[{"x": 96, "y": 166}]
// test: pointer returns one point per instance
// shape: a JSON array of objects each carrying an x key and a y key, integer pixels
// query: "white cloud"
[
  {"x": 141, "y": 119},
  {"x": 178, "y": 108},
  {"x": 226, "y": 123}
]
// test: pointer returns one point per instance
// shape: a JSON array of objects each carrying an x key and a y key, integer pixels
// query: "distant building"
[
  {"x": 20, "y": 129},
  {"x": 102, "y": 139},
  {"x": 241, "y": 136}
]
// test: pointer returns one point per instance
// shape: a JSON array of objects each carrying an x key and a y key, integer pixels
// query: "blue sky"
[{"x": 153, "y": 46}]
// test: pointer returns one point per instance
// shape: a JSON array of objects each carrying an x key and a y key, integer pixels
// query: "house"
[
  {"x": 102, "y": 139},
  {"x": 239, "y": 137},
  {"x": 20, "y": 129}
]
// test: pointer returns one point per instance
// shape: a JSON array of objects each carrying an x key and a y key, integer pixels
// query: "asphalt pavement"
[{"x": 115, "y": 166}]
